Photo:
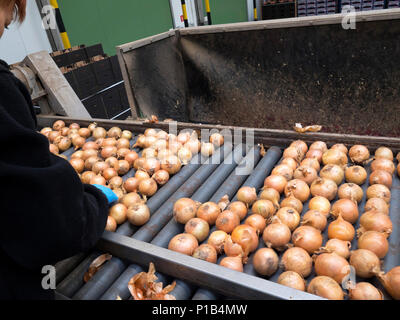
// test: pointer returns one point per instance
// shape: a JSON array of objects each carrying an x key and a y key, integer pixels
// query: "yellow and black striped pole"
[
  {"x": 208, "y": 10},
  {"x": 255, "y": 10},
  {"x": 60, "y": 24},
  {"x": 185, "y": 16}
]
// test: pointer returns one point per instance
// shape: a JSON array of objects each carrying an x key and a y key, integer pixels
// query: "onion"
[
  {"x": 126, "y": 134},
  {"x": 151, "y": 166},
  {"x": 332, "y": 265},
  {"x": 339, "y": 247},
  {"x": 140, "y": 142},
  {"x": 123, "y": 167},
  {"x": 308, "y": 238},
  {"x": 184, "y": 210},
  {"x": 209, "y": 212},
  {"x": 131, "y": 157},
  {"x": 99, "y": 133},
  {"x": 120, "y": 194},
  {"x": 138, "y": 214},
  {"x": 375, "y": 242},
  {"x": 227, "y": 221},
  {"x": 78, "y": 142},
  {"x": 87, "y": 176},
  {"x": 239, "y": 208},
  {"x": 277, "y": 236},
  {"x": 116, "y": 182},
  {"x": 306, "y": 174},
  {"x": 207, "y": 149},
  {"x": 150, "y": 132},
  {"x": 72, "y": 133},
  {"x": 247, "y": 195},
  {"x": 365, "y": 262},
  {"x": 114, "y": 132},
  {"x": 111, "y": 224},
  {"x": 149, "y": 142},
  {"x": 131, "y": 185},
  {"x": 271, "y": 195},
  {"x": 288, "y": 216},
  {"x": 54, "y": 149},
  {"x": 291, "y": 163},
  {"x": 171, "y": 164},
  {"x": 174, "y": 146},
  {"x": 160, "y": 145},
  {"x": 332, "y": 172},
  {"x": 340, "y": 147},
  {"x": 234, "y": 263},
  {"x": 119, "y": 213},
  {"x": 113, "y": 163},
  {"x": 77, "y": 155},
  {"x": 301, "y": 145},
  {"x": 293, "y": 153},
  {"x": 184, "y": 155},
  {"x": 162, "y": 154},
  {"x": 275, "y": 182},
  {"x": 89, "y": 153},
  {"x": 283, "y": 170},
  {"x": 198, "y": 228},
  {"x": 217, "y": 139},
  {"x": 141, "y": 175},
  {"x": 58, "y": 125},
  {"x": 315, "y": 219},
  {"x": 320, "y": 145},
  {"x": 324, "y": 188},
  {"x": 246, "y": 236},
  {"x": 217, "y": 240},
  {"x": 381, "y": 177},
  {"x": 365, "y": 291},
  {"x": 256, "y": 221},
  {"x": 356, "y": 174},
  {"x": 148, "y": 187},
  {"x": 161, "y": 177},
  {"x": 379, "y": 191},
  {"x": 292, "y": 202},
  {"x": 98, "y": 179},
  {"x": 341, "y": 229},
  {"x": 183, "y": 243},
  {"x": 99, "y": 167},
  {"x": 92, "y": 126},
  {"x": 384, "y": 152},
  {"x": 311, "y": 162},
  {"x": 315, "y": 154},
  {"x": 359, "y": 154},
  {"x": 78, "y": 165},
  {"x": 375, "y": 221},
  {"x": 183, "y": 137},
  {"x": 123, "y": 143},
  {"x": 206, "y": 252},
  {"x": 383, "y": 164},
  {"x": 84, "y": 132},
  {"x": 351, "y": 191},
  {"x": 377, "y": 204},
  {"x": 299, "y": 189},
  {"x": 110, "y": 173},
  {"x": 63, "y": 144},
  {"x": 162, "y": 135},
  {"x": 131, "y": 199},
  {"x": 234, "y": 250},
  {"x": 293, "y": 280},
  {"x": 193, "y": 145},
  {"x": 348, "y": 209},
  {"x": 266, "y": 262},
  {"x": 139, "y": 163},
  {"x": 46, "y": 131},
  {"x": 334, "y": 156},
  {"x": 297, "y": 260},
  {"x": 108, "y": 152},
  {"x": 149, "y": 153},
  {"x": 391, "y": 282},
  {"x": 320, "y": 204},
  {"x": 265, "y": 208},
  {"x": 74, "y": 126},
  {"x": 325, "y": 287}
]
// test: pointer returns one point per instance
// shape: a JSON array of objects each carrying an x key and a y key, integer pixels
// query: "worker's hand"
[{"x": 111, "y": 196}]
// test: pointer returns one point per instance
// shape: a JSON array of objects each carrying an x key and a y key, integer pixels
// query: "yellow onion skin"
[
  {"x": 351, "y": 191},
  {"x": 348, "y": 209},
  {"x": 299, "y": 189},
  {"x": 356, "y": 174},
  {"x": 365, "y": 291},
  {"x": 297, "y": 260},
  {"x": 308, "y": 238},
  {"x": 277, "y": 236},
  {"x": 293, "y": 280},
  {"x": 377, "y": 204},
  {"x": 359, "y": 153},
  {"x": 375, "y": 221},
  {"x": 385, "y": 153},
  {"x": 334, "y": 156},
  {"x": 325, "y": 287},
  {"x": 183, "y": 243},
  {"x": 340, "y": 247},
  {"x": 233, "y": 263},
  {"x": 324, "y": 188},
  {"x": 365, "y": 262},
  {"x": 320, "y": 204},
  {"x": 375, "y": 242},
  {"x": 341, "y": 229},
  {"x": 265, "y": 262},
  {"x": 206, "y": 252},
  {"x": 391, "y": 282},
  {"x": 379, "y": 191},
  {"x": 333, "y": 172},
  {"x": 315, "y": 219},
  {"x": 332, "y": 265}
]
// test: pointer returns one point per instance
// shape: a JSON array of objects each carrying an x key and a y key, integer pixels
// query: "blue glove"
[{"x": 111, "y": 196}]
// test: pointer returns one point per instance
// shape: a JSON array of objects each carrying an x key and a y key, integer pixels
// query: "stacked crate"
[
  {"x": 315, "y": 7},
  {"x": 393, "y": 4},
  {"x": 365, "y": 5}
]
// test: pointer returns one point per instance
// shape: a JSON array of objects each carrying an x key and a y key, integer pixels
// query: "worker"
[{"x": 47, "y": 214}]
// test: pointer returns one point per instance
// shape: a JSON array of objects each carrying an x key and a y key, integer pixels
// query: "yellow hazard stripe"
[
  {"x": 255, "y": 13},
  {"x": 54, "y": 3},
  {"x": 208, "y": 6},
  {"x": 185, "y": 15},
  {"x": 65, "y": 40}
]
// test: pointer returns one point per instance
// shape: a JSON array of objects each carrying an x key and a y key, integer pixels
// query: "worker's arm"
[{"x": 47, "y": 214}]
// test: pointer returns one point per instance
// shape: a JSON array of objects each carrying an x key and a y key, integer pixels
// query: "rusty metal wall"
[{"x": 345, "y": 80}]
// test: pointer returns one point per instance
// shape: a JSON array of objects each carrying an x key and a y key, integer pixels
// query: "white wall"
[{"x": 29, "y": 37}]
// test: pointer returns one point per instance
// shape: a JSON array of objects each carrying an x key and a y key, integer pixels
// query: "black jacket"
[{"x": 47, "y": 214}]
